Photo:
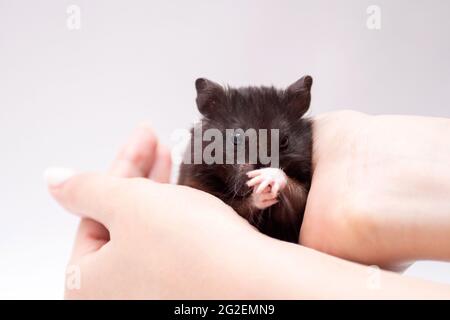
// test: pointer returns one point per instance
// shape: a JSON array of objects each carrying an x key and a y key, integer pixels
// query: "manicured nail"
[{"x": 55, "y": 177}]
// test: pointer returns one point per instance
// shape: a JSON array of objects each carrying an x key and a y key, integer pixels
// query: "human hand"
[
  {"x": 142, "y": 239},
  {"x": 135, "y": 231},
  {"x": 380, "y": 188},
  {"x": 141, "y": 156}
]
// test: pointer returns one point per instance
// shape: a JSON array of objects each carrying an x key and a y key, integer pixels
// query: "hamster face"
[{"x": 256, "y": 108}]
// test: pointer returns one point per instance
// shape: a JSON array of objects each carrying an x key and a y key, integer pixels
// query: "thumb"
[{"x": 96, "y": 196}]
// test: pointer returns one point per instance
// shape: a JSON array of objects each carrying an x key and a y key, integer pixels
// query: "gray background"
[{"x": 70, "y": 98}]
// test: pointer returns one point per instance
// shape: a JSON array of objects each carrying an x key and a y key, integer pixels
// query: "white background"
[{"x": 70, "y": 98}]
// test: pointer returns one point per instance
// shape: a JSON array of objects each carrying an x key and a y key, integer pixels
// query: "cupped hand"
[{"x": 143, "y": 238}]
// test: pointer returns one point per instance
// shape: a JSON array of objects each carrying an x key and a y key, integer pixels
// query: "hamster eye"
[
  {"x": 284, "y": 142},
  {"x": 238, "y": 138}
]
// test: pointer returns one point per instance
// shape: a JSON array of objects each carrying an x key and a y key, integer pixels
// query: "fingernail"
[{"x": 55, "y": 177}]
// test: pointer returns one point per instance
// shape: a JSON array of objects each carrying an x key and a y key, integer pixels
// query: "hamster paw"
[
  {"x": 263, "y": 199},
  {"x": 267, "y": 184}
]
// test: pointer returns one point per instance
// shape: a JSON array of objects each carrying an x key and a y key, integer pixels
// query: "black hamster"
[{"x": 271, "y": 199}]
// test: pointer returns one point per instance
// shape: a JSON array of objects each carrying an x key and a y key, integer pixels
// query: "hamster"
[{"x": 271, "y": 199}]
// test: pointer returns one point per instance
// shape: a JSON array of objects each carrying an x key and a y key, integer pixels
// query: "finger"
[
  {"x": 254, "y": 181},
  {"x": 253, "y": 173},
  {"x": 137, "y": 157},
  {"x": 95, "y": 196},
  {"x": 162, "y": 167},
  {"x": 133, "y": 160},
  {"x": 262, "y": 186},
  {"x": 275, "y": 189}
]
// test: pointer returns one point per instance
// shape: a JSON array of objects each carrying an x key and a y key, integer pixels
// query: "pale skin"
[
  {"x": 168, "y": 241},
  {"x": 386, "y": 181}
]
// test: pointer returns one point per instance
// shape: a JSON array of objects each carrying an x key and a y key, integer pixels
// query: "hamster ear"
[
  {"x": 209, "y": 94},
  {"x": 299, "y": 94}
]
